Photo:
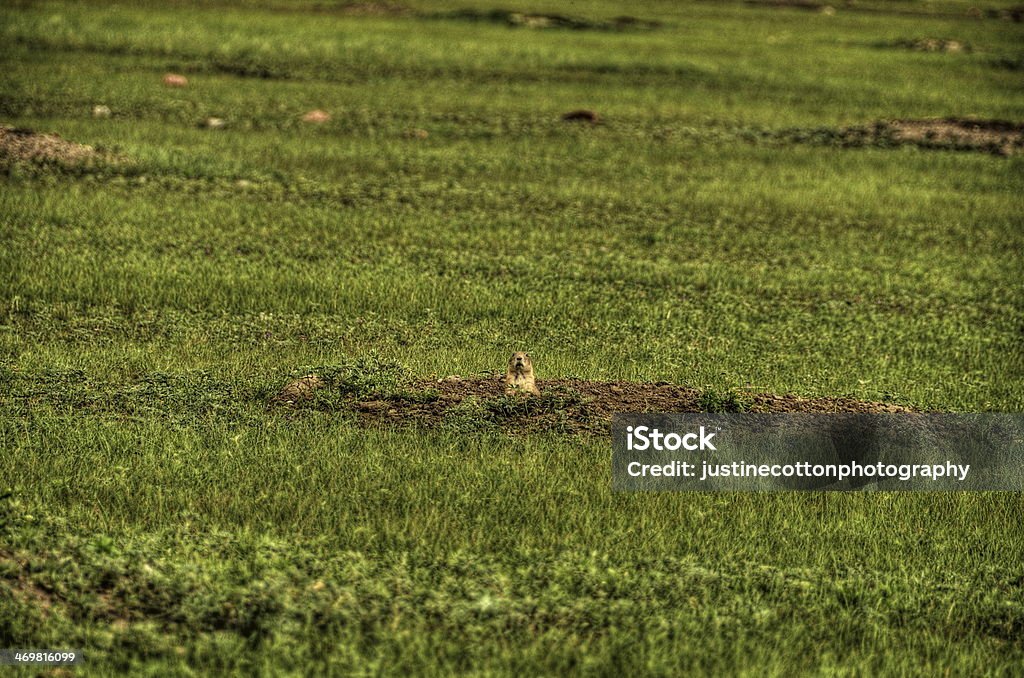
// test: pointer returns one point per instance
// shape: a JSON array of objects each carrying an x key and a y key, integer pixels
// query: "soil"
[
  {"x": 1015, "y": 14},
  {"x": 793, "y": 4},
  {"x": 316, "y": 116},
  {"x": 22, "y": 145},
  {"x": 582, "y": 115},
  {"x": 29, "y": 592},
  {"x": 542, "y": 21},
  {"x": 374, "y": 9},
  {"x": 935, "y": 45},
  {"x": 568, "y": 405},
  {"x": 606, "y": 398},
  {"x": 997, "y": 136}
]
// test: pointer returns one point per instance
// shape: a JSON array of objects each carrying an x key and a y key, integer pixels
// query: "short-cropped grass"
[{"x": 716, "y": 230}]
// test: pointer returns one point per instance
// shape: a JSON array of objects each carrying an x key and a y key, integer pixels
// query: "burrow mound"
[
  {"x": 25, "y": 145},
  {"x": 996, "y": 136},
  {"x": 943, "y": 45},
  {"x": 999, "y": 137},
  {"x": 811, "y": 5},
  {"x": 374, "y": 8},
  {"x": 528, "y": 20},
  {"x": 565, "y": 405}
]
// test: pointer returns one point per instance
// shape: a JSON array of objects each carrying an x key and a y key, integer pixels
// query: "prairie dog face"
[{"x": 520, "y": 363}]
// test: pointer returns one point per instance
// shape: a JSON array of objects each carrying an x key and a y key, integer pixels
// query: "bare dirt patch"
[
  {"x": 994, "y": 136},
  {"x": 946, "y": 45},
  {"x": 583, "y": 115},
  {"x": 606, "y": 398},
  {"x": 21, "y": 587},
  {"x": 542, "y": 21},
  {"x": 24, "y": 145},
  {"x": 999, "y": 137},
  {"x": 794, "y": 4},
  {"x": 382, "y": 8},
  {"x": 1015, "y": 14},
  {"x": 565, "y": 405}
]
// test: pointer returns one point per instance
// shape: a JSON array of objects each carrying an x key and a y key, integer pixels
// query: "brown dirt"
[
  {"x": 1015, "y": 14},
  {"x": 175, "y": 80},
  {"x": 606, "y": 398},
  {"x": 792, "y": 4},
  {"x": 374, "y": 9},
  {"x": 935, "y": 45},
  {"x": 316, "y": 116},
  {"x": 582, "y": 115},
  {"x": 22, "y": 145},
  {"x": 25, "y": 589},
  {"x": 997, "y": 136},
  {"x": 565, "y": 405}
]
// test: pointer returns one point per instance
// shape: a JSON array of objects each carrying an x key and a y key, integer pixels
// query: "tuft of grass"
[
  {"x": 367, "y": 378},
  {"x": 727, "y": 400}
]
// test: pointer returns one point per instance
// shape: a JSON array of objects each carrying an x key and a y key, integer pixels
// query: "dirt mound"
[
  {"x": 954, "y": 134},
  {"x": 996, "y": 136},
  {"x": 564, "y": 406},
  {"x": 317, "y": 116},
  {"x": 374, "y": 9},
  {"x": 797, "y": 4},
  {"x": 528, "y": 20},
  {"x": 18, "y": 144},
  {"x": 1015, "y": 14},
  {"x": 794, "y": 4},
  {"x": 583, "y": 115},
  {"x": 175, "y": 80},
  {"x": 605, "y": 398},
  {"x": 934, "y": 45}
]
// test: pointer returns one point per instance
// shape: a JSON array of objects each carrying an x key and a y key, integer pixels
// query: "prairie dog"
[
  {"x": 520, "y": 374},
  {"x": 300, "y": 389}
]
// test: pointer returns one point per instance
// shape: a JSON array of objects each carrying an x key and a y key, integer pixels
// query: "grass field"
[{"x": 722, "y": 229}]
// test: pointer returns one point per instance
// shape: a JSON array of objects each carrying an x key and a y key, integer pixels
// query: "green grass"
[{"x": 161, "y": 518}]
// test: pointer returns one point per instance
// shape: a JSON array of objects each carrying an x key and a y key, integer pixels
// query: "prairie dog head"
[{"x": 520, "y": 364}]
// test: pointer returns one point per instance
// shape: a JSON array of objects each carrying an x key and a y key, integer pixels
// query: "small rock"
[
  {"x": 243, "y": 183},
  {"x": 175, "y": 80},
  {"x": 316, "y": 116},
  {"x": 213, "y": 123},
  {"x": 828, "y": 10},
  {"x": 100, "y": 111}
]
